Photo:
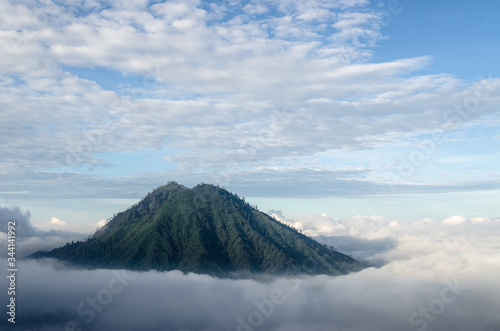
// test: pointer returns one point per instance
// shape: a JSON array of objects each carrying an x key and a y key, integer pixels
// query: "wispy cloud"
[{"x": 212, "y": 85}]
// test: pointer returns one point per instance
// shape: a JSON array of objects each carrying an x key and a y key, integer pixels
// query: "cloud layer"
[
  {"x": 224, "y": 89},
  {"x": 432, "y": 276}
]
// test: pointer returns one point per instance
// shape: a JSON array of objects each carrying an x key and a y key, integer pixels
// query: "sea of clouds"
[{"x": 429, "y": 275}]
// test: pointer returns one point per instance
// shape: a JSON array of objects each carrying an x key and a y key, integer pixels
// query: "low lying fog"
[{"x": 430, "y": 275}]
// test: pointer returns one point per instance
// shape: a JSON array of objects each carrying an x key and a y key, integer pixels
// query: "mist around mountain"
[{"x": 204, "y": 230}]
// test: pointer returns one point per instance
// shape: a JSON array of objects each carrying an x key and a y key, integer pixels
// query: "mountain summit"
[{"x": 206, "y": 230}]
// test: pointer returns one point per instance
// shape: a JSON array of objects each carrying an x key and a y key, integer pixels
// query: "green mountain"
[{"x": 205, "y": 229}]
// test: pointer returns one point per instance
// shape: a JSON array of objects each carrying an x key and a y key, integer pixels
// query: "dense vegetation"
[{"x": 204, "y": 230}]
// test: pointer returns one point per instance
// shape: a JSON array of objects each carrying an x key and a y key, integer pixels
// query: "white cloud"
[
  {"x": 57, "y": 222},
  {"x": 211, "y": 79},
  {"x": 426, "y": 220},
  {"x": 393, "y": 224},
  {"x": 454, "y": 220},
  {"x": 277, "y": 215},
  {"x": 479, "y": 219},
  {"x": 372, "y": 227},
  {"x": 101, "y": 223},
  {"x": 255, "y": 9}
]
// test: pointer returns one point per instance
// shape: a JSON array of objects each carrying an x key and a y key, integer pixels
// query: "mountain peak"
[{"x": 205, "y": 229}]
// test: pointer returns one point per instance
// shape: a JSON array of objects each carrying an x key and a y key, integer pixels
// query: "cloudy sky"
[
  {"x": 349, "y": 107},
  {"x": 373, "y": 126}
]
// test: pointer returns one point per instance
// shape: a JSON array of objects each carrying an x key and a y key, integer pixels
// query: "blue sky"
[
  {"x": 459, "y": 35},
  {"x": 345, "y": 107}
]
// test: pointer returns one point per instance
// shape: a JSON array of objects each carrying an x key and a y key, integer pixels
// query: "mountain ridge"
[{"x": 205, "y": 230}]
